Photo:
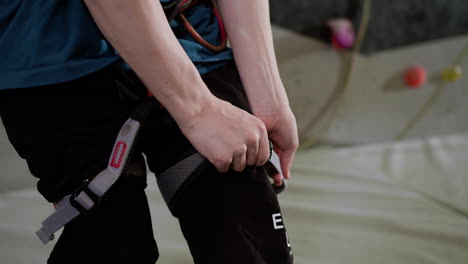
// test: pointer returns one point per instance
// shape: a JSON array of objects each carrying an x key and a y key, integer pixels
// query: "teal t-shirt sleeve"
[{"x": 51, "y": 41}]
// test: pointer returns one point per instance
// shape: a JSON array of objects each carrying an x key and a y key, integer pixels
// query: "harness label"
[
  {"x": 287, "y": 242},
  {"x": 277, "y": 221},
  {"x": 278, "y": 224},
  {"x": 117, "y": 156}
]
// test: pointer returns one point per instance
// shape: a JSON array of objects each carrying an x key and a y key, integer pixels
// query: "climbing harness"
[
  {"x": 176, "y": 9},
  {"x": 93, "y": 191}
]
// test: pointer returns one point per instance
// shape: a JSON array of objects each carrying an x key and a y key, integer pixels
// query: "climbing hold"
[
  {"x": 452, "y": 74},
  {"x": 343, "y": 35},
  {"x": 415, "y": 76}
]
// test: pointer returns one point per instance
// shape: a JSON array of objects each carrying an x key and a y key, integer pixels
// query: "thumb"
[{"x": 286, "y": 159}]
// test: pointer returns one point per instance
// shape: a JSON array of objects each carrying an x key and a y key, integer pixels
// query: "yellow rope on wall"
[
  {"x": 333, "y": 103},
  {"x": 432, "y": 99},
  {"x": 337, "y": 97}
]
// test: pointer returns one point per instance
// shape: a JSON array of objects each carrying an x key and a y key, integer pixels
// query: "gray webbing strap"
[
  {"x": 67, "y": 208},
  {"x": 54, "y": 222},
  {"x": 171, "y": 179}
]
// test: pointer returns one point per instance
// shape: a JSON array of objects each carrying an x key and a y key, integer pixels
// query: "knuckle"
[
  {"x": 254, "y": 138},
  {"x": 217, "y": 162},
  {"x": 260, "y": 161},
  {"x": 221, "y": 162},
  {"x": 252, "y": 157},
  {"x": 240, "y": 150},
  {"x": 263, "y": 133},
  {"x": 219, "y": 168},
  {"x": 237, "y": 169},
  {"x": 223, "y": 169},
  {"x": 217, "y": 165},
  {"x": 295, "y": 145},
  {"x": 261, "y": 125},
  {"x": 251, "y": 162}
]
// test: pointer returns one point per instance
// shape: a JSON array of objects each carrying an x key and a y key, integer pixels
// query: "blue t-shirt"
[{"x": 51, "y": 41}]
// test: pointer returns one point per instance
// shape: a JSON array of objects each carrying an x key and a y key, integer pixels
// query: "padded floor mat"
[{"x": 403, "y": 203}]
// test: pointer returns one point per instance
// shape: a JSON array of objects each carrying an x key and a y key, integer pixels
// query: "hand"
[
  {"x": 282, "y": 130},
  {"x": 227, "y": 136}
]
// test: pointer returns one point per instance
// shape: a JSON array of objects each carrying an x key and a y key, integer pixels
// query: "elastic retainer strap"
[{"x": 172, "y": 179}]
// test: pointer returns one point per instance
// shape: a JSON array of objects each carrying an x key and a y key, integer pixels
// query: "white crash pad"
[{"x": 403, "y": 203}]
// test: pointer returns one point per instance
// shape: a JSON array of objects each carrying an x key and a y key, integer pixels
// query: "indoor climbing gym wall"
[{"x": 396, "y": 73}]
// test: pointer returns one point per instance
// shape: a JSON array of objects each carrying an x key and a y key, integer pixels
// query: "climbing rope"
[{"x": 336, "y": 98}]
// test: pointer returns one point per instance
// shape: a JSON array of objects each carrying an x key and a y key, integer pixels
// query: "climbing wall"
[
  {"x": 395, "y": 23},
  {"x": 377, "y": 105}
]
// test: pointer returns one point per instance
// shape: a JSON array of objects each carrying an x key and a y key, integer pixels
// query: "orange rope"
[{"x": 199, "y": 38}]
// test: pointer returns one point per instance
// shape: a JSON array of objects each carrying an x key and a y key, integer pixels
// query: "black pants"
[{"x": 66, "y": 132}]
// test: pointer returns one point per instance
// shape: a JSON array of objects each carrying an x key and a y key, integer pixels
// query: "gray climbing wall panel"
[{"x": 394, "y": 23}]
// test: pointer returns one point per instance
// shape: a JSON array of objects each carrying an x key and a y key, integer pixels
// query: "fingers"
[
  {"x": 252, "y": 151},
  {"x": 257, "y": 151},
  {"x": 257, "y": 154},
  {"x": 242, "y": 141},
  {"x": 263, "y": 149},
  {"x": 286, "y": 159},
  {"x": 277, "y": 179},
  {"x": 222, "y": 165},
  {"x": 240, "y": 159}
]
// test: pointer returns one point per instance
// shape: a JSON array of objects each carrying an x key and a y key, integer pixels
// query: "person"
[{"x": 72, "y": 72}]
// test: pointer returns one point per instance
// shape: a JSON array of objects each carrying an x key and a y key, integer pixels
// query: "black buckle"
[{"x": 84, "y": 188}]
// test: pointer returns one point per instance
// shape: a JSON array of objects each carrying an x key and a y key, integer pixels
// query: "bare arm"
[
  {"x": 224, "y": 134},
  {"x": 248, "y": 26},
  {"x": 138, "y": 29}
]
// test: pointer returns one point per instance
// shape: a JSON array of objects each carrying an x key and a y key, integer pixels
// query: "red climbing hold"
[{"x": 415, "y": 76}]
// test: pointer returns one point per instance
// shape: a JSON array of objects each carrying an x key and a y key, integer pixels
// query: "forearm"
[
  {"x": 139, "y": 31},
  {"x": 249, "y": 30}
]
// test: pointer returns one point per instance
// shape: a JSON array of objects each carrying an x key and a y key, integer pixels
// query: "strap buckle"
[{"x": 83, "y": 204}]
